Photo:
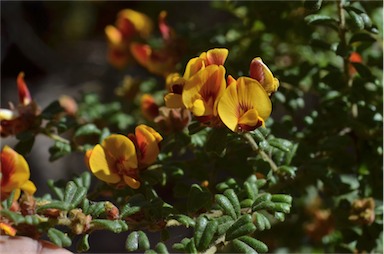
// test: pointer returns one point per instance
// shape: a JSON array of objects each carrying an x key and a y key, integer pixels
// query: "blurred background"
[{"x": 62, "y": 49}]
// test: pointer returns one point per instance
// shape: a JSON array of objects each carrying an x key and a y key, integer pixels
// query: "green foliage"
[{"x": 309, "y": 181}]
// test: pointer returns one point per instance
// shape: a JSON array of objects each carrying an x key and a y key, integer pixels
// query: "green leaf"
[
  {"x": 313, "y": 5},
  {"x": 52, "y": 110},
  {"x": 95, "y": 209},
  {"x": 316, "y": 19},
  {"x": 204, "y": 232},
  {"x": 128, "y": 210},
  {"x": 362, "y": 37},
  {"x": 143, "y": 241},
  {"x": 13, "y": 216},
  {"x": 63, "y": 206},
  {"x": 24, "y": 146},
  {"x": 363, "y": 70},
  {"x": 132, "y": 242},
  {"x": 115, "y": 226},
  {"x": 199, "y": 197},
  {"x": 282, "y": 198},
  {"x": 261, "y": 222},
  {"x": 161, "y": 248},
  {"x": 225, "y": 222},
  {"x": 59, "y": 238},
  {"x": 231, "y": 195},
  {"x": 73, "y": 194},
  {"x": 247, "y": 244},
  {"x": 87, "y": 129},
  {"x": 184, "y": 219},
  {"x": 83, "y": 244},
  {"x": 226, "y": 205},
  {"x": 58, "y": 150},
  {"x": 356, "y": 20},
  {"x": 243, "y": 226},
  {"x": 59, "y": 192}
]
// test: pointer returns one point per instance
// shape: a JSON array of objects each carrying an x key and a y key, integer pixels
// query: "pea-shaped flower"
[
  {"x": 203, "y": 90},
  {"x": 245, "y": 105},
  {"x": 261, "y": 72},
  {"x": 119, "y": 159},
  {"x": 15, "y": 174}
]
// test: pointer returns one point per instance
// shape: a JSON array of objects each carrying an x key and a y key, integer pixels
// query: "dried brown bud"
[
  {"x": 112, "y": 211},
  {"x": 27, "y": 204},
  {"x": 173, "y": 119}
]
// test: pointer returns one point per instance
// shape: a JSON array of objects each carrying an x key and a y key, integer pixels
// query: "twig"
[{"x": 255, "y": 147}]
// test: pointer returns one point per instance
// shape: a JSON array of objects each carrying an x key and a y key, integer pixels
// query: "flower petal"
[
  {"x": 251, "y": 92},
  {"x": 207, "y": 85},
  {"x": 119, "y": 147},
  {"x": 131, "y": 182},
  {"x": 29, "y": 187},
  {"x": 228, "y": 107},
  {"x": 250, "y": 118},
  {"x": 173, "y": 100},
  {"x": 101, "y": 166},
  {"x": 24, "y": 95},
  {"x": 14, "y": 170},
  {"x": 217, "y": 56},
  {"x": 140, "y": 21},
  {"x": 147, "y": 141},
  {"x": 193, "y": 66}
]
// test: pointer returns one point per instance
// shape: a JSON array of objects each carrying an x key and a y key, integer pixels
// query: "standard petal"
[
  {"x": 140, "y": 21},
  {"x": 100, "y": 166},
  {"x": 217, "y": 56},
  {"x": 14, "y": 169},
  {"x": 120, "y": 148},
  {"x": 193, "y": 66},
  {"x": 228, "y": 107},
  {"x": 253, "y": 94}
]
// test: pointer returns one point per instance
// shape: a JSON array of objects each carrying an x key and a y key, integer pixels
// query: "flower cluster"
[
  {"x": 132, "y": 27},
  {"x": 241, "y": 104},
  {"x": 20, "y": 118},
  {"x": 119, "y": 158},
  {"x": 14, "y": 174}
]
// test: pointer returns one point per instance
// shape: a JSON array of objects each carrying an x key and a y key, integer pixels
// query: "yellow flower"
[
  {"x": 245, "y": 105},
  {"x": 174, "y": 84},
  {"x": 148, "y": 107},
  {"x": 119, "y": 159},
  {"x": 260, "y": 72},
  {"x": 7, "y": 229},
  {"x": 129, "y": 24},
  {"x": 216, "y": 56},
  {"x": 203, "y": 90},
  {"x": 14, "y": 174}
]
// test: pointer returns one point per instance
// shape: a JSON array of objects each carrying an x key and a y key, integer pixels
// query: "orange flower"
[
  {"x": 157, "y": 61},
  {"x": 148, "y": 106},
  {"x": 354, "y": 58},
  {"x": 129, "y": 24},
  {"x": 14, "y": 174},
  {"x": 175, "y": 85},
  {"x": 119, "y": 159},
  {"x": 216, "y": 56},
  {"x": 16, "y": 120},
  {"x": 245, "y": 105},
  {"x": 7, "y": 229},
  {"x": 203, "y": 90},
  {"x": 260, "y": 72}
]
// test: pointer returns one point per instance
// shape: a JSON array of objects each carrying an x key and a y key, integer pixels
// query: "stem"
[
  {"x": 256, "y": 148},
  {"x": 54, "y": 136},
  {"x": 343, "y": 41}
]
